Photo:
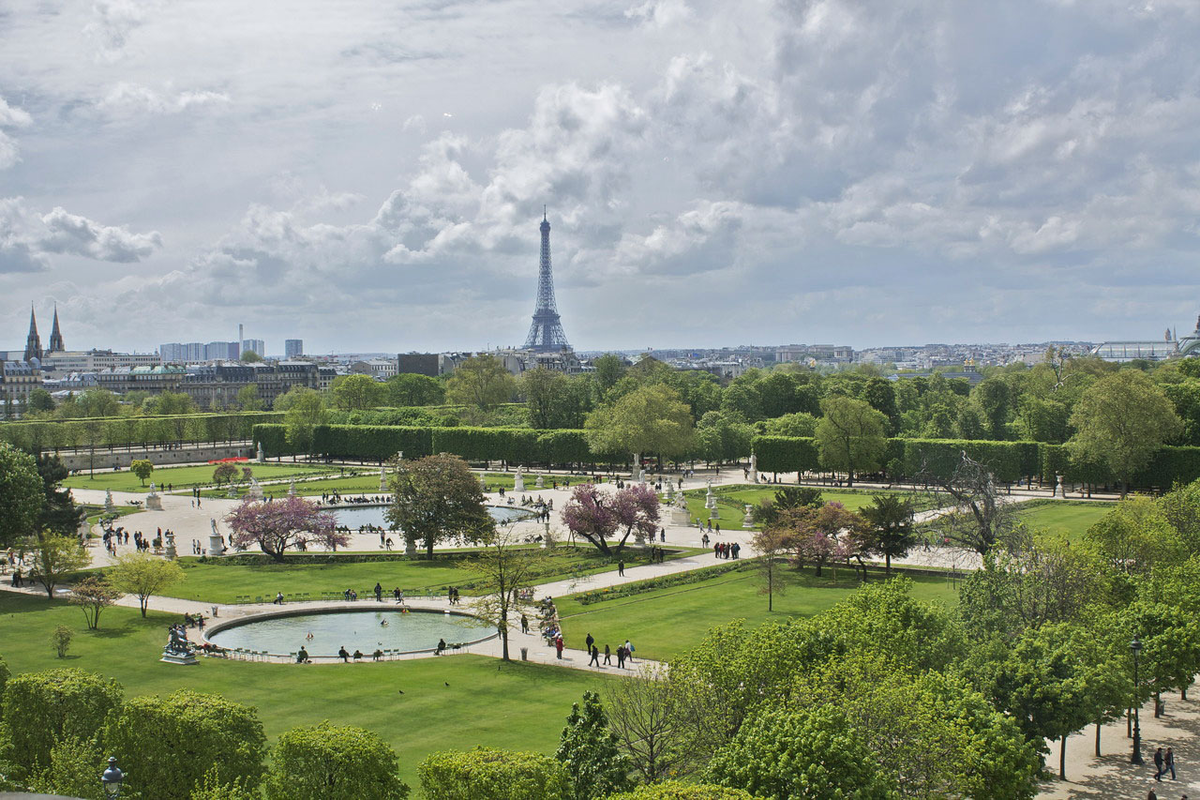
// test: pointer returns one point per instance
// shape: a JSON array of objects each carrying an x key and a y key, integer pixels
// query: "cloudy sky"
[{"x": 370, "y": 176}]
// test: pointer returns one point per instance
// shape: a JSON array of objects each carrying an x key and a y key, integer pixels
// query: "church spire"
[
  {"x": 56, "y": 340},
  {"x": 33, "y": 342}
]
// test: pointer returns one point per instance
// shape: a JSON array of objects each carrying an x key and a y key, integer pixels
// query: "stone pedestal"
[
  {"x": 261, "y": 457},
  {"x": 680, "y": 516},
  {"x": 178, "y": 658},
  {"x": 153, "y": 502},
  {"x": 540, "y": 483},
  {"x": 171, "y": 553},
  {"x": 292, "y": 489},
  {"x": 383, "y": 479},
  {"x": 256, "y": 492},
  {"x": 215, "y": 548},
  {"x": 748, "y": 520},
  {"x": 410, "y": 547},
  {"x": 519, "y": 481}
]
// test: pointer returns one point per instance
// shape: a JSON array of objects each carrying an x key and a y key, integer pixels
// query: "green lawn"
[
  {"x": 126, "y": 481},
  {"x": 666, "y": 622},
  {"x": 1062, "y": 519},
  {"x": 516, "y": 706},
  {"x": 226, "y": 583},
  {"x": 368, "y": 483},
  {"x": 735, "y": 498}
]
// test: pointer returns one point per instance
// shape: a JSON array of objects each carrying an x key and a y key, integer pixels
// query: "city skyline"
[{"x": 813, "y": 172}]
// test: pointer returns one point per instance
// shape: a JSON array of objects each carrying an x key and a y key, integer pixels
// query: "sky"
[{"x": 370, "y": 176}]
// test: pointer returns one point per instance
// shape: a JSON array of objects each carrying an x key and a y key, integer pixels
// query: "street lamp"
[
  {"x": 111, "y": 779},
  {"x": 1136, "y": 757}
]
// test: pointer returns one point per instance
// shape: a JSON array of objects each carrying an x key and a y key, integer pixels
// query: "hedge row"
[
  {"x": 1011, "y": 462},
  {"x": 380, "y": 442},
  {"x": 109, "y": 431}
]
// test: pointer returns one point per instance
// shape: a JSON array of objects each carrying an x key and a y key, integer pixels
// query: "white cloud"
[{"x": 126, "y": 99}]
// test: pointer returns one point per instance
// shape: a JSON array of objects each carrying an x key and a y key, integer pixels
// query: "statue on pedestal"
[
  {"x": 108, "y": 503},
  {"x": 216, "y": 547},
  {"x": 540, "y": 483},
  {"x": 153, "y": 501},
  {"x": 292, "y": 488},
  {"x": 383, "y": 479},
  {"x": 178, "y": 649},
  {"x": 748, "y": 520},
  {"x": 519, "y": 482},
  {"x": 256, "y": 491},
  {"x": 679, "y": 511},
  {"x": 753, "y": 468},
  {"x": 171, "y": 552},
  {"x": 261, "y": 455}
]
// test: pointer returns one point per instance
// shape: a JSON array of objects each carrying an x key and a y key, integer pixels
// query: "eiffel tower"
[{"x": 546, "y": 332}]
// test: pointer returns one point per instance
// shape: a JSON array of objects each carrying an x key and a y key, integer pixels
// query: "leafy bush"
[
  {"x": 327, "y": 761},
  {"x": 42, "y": 709},
  {"x": 488, "y": 774},
  {"x": 678, "y": 790}
]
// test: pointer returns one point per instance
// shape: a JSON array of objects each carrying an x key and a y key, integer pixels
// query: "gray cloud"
[{"x": 819, "y": 170}]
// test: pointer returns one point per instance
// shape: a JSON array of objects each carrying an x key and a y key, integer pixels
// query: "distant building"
[
  {"x": 380, "y": 368},
  {"x": 17, "y": 380},
  {"x": 814, "y": 352},
  {"x": 95, "y": 360},
  {"x": 1167, "y": 347},
  {"x": 293, "y": 348},
  {"x": 217, "y": 385},
  {"x": 419, "y": 364},
  {"x": 153, "y": 380},
  {"x": 254, "y": 345}
]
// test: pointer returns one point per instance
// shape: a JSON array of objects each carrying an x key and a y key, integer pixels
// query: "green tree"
[
  {"x": 503, "y": 568},
  {"x": 170, "y": 404},
  {"x": 211, "y": 787},
  {"x": 1181, "y": 507},
  {"x": 55, "y": 557},
  {"x": 250, "y": 357},
  {"x": 93, "y": 595},
  {"x": 488, "y": 774},
  {"x": 680, "y": 790},
  {"x": 21, "y": 494},
  {"x": 1135, "y": 536},
  {"x": 166, "y": 745},
  {"x": 304, "y": 411},
  {"x": 609, "y": 369},
  {"x": 723, "y": 437},
  {"x": 1043, "y": 420},
  {"x": 327, "y": 761},
  {"x": 850, "y": 436},
  {"x": 410, "y": 389},
  {"x": 357, "y": 392},
  {"x": 992, "y": 398},
  {"x": 72, "y": 771},
  {"x": 437, "y": 498},
  {"x": 589, "y": 751},
  {"x": 42, "y": 709},
  {"x": 142, "y": 467},
  {"x": 40, "y": 401},
  {"x": 59, "y": 512},
  {"x": 652, "y": 419},
  {"x": 799, "y": 425},
  {"x": 144, "y": 575},
  {"x": 1123, "y": 420},
  {"x": 892, "y": 531},
  {"x": 554, "y": 400},
  {"x": 481, "y": 381},
  {"x": 811, "y": 753},
  {"x": 224, "y": 473},
  {"x": 772, "y": 545},
  {"x": 248, "y": 398}
]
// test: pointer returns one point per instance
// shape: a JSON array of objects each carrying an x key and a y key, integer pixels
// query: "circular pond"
[
  {"x": 355, "y": 517},
  {"x": 361, "y": 629}
]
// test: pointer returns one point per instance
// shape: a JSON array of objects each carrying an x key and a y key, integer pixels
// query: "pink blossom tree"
[
  {"x": 821, "y": 534},
  {"x": 282, "y": 524},
  {"x": 596, "y": 516}
]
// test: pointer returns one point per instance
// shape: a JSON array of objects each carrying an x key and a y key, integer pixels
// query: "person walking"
[
  {"x": 607, "y": 656},
  {"x": 1158, "y": 764},
  {"x": 558, "y": 644},
  {"x": 595, "y": 662},
  {"x": 524, "y": 624},
  {"x": 629, "y": 650},
  {"x": 621, "y": 568},
  {"x": 1169, "y": 762},
  {"x": 620, "y": 656},
  {"x": 279, "y": 598},
  {"x": 589, "y": 641}
]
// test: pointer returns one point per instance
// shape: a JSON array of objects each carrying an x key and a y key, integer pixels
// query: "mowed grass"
[
  {"x": 126, "y": 481},
  {"x": 226, "y": 583},
  {"x": 731, "y": 517},
  {"x": 665, "y": 623},
  {"x": 518, "y": 706},
  {"x": 368, "y": 483},
  {"x": 1062, "y": 519}
]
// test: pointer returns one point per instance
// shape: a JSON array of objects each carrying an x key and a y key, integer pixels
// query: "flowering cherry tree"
[
  {"x": 820, "y": 535},
  {"x": 597, "y": 516},
  {"x": 282, "y": 524}
]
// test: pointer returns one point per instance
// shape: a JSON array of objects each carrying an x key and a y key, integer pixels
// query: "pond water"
[
  {"x": 363, "y": 630},
  {"x": 354, "y": 517}
]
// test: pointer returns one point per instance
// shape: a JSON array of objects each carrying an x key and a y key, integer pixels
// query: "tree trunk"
[
  {"x": 1183, "y": 693},
  {"x": 887, "y": 560},
  {"x": 1062, "y": 757},
  {"x": 1129, "y": 723},
  {"x": 1158, "y": 706},
  {"x": 1097, "y": 738}
]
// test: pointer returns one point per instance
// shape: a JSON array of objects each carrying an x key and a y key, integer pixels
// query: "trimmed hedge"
[
  {"x": 381, "y": 442},
  {"x": 785, "y": 453},
  {"x": 653, "y": 584},
  {"x": 488, "y": 774},
  {"x": 109, "y": 431}
]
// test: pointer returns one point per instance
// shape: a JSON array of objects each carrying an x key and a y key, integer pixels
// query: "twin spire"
[{"x": 33, "y": 342}]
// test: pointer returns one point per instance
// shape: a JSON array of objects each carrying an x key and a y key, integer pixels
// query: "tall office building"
[
  {"x": 257, "y": 345},
  {"x": 293, "y": 348}
]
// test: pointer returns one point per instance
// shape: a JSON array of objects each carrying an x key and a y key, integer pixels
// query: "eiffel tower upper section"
[{"x": 546, "y": 331}]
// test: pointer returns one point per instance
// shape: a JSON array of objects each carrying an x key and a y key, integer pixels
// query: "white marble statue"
[{"x": 518, "y": 482}]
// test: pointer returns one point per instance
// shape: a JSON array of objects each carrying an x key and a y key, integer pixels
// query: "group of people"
[
  {"x": 336, "y": 499},
  {"x": 624, "y": 653},
  {"x": 709, "y": 526},
  {"x": 726, "y": 550},
  {"x": 119, "y": 536},
  {"x": 452, "y": 596}
]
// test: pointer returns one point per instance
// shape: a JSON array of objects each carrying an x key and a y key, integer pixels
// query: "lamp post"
[
  {"x": 111, "y": 779},
  {"x": 1136, "y": 756}
]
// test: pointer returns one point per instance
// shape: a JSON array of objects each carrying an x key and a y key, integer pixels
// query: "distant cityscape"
[{"x": 213, "y": 373}]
